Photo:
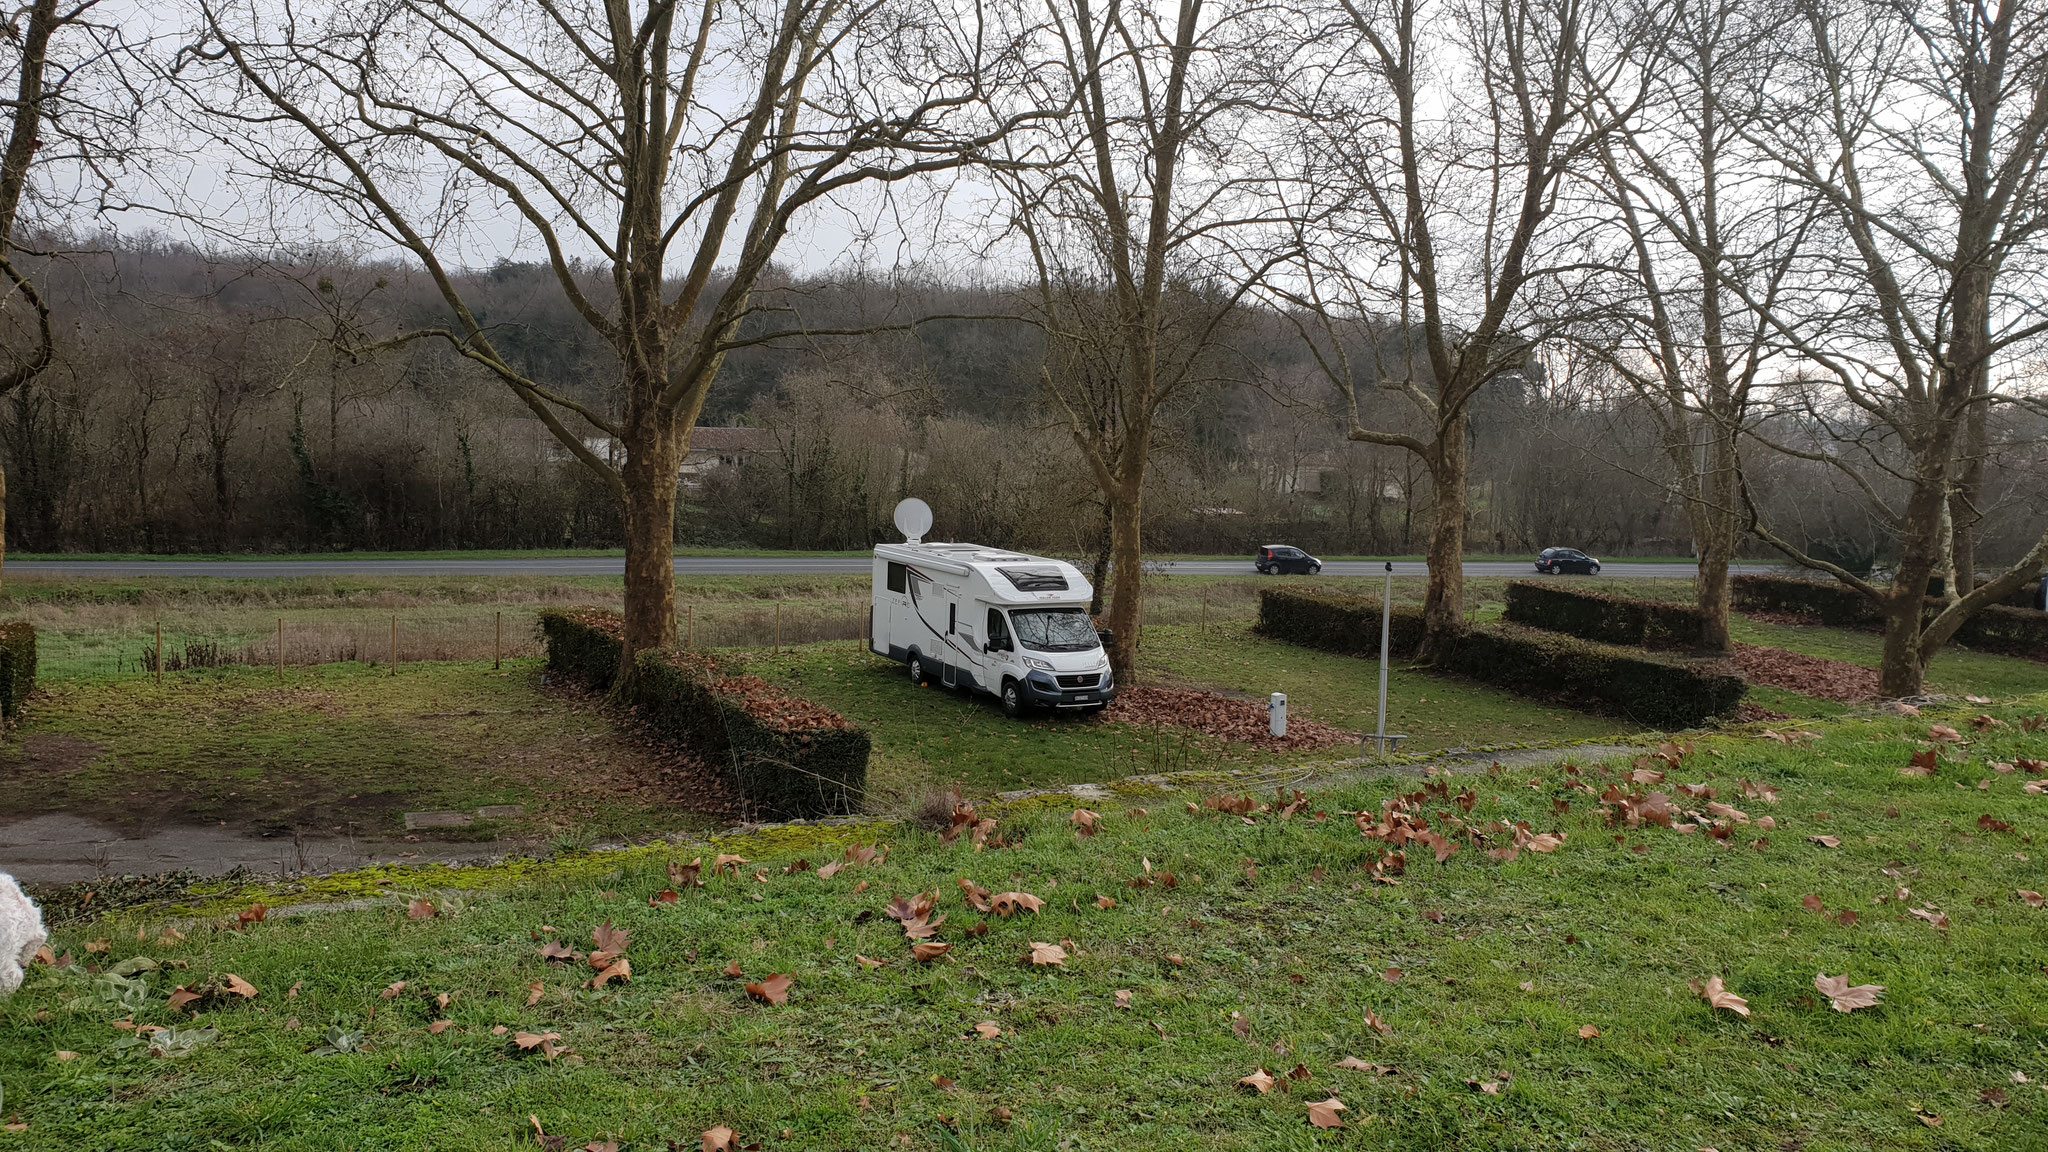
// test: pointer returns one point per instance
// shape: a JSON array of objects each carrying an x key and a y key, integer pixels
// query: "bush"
[
  {"x": 1546, "y": 665},
  {"x": 2021, "y": 632},
  {"x": 1828, "y": 601},
  {"x": 1608, "y": 619},
  {"x": 1336, "y": 622},
  {"x": 786, "y": 757},
  {"x": 17, "y": 665},
  {"x": 1553, "y": 666}
]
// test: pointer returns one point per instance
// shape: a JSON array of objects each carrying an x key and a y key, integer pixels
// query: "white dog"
[{"x": 21, "y": 933}]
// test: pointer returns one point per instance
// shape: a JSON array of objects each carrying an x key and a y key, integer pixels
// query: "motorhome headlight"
[{"x": 1035, "y": 662}]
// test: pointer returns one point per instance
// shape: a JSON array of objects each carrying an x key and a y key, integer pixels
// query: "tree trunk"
[
  {"x": 1925, "y": 541},
  {"x": 650, "y": 594},
  {"x": 1101, "y": 572},
  {"x": 1713, "y": 598},
  {"x": 3, "y": 521},
  {"x": 1715, "y": 531},
  {"x": 1126, "y": 578},
  {"x": 1903, "y": 671},
  {"x": 1443, "y": 605}
]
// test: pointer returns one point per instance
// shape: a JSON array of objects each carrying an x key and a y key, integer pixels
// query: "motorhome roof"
[{"x": 969, "y": 553}]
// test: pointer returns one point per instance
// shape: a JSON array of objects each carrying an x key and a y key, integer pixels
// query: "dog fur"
[{"x": 21, "y": 934}]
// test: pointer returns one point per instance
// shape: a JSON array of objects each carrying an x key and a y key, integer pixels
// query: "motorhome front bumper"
[{"x": 1069, "y": 689}]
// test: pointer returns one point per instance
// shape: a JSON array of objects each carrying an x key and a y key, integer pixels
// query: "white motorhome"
[{"x": 988, "y": 620}]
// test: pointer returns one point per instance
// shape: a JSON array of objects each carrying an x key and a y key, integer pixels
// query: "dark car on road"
[
  {"x": 1556, "y": 560},
  {"x": 1276, "y": 558}
]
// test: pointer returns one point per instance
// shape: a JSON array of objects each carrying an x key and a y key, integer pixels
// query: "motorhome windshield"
[{"x": 1054, "y": 629}]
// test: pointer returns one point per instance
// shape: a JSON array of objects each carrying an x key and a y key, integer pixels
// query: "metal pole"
[
  {"x": 394, "y": 643},
  {"x": 498, "y": 644},
  {"x": 159, "y": 653},
  {"x": 280, "y": 647},
  {"x": 1386, "y": 627}
]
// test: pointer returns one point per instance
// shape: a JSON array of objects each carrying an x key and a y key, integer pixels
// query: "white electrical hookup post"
[{"x": 1276, "y": 714}]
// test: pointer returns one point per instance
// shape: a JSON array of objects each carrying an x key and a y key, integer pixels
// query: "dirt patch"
[
  {"x": 1224, "y": 717},
  {"x": 50, "y": 754},
  {"x": 1807, "y": 675}
]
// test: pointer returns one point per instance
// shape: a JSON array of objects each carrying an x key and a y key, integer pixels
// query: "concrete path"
[
  {"x": 64, "y": 849},
  {"x": 735, "y": 566}
]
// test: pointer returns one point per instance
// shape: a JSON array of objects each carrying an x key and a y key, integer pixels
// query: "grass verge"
[
  {"x": 340, "y": 749},
  {"x": 1538, "y": 1003}
]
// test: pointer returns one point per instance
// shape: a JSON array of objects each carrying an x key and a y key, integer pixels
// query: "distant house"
[
  {"x": 714, "y": 448},
  {"x": 710, "y": 449}
]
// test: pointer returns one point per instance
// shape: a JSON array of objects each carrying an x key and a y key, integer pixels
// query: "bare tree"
[
  {"x": 657, "y": 154},
  {"x": 1141, "y": 212},
  {"x": 1449, "y": 132},
  {"x": 66, "y": 114},
  {"x": 1696, "y": 209},
  {"x": 1921, "y": 130}
]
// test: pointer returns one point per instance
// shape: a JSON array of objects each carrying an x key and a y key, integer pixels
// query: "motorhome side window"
[
  {"x": 1054, "y": 629},
  {"x": 898, "y": 582},
  {"x": 998, "y": 630}
]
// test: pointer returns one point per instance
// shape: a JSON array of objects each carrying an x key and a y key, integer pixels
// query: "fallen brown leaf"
[
  {"x": 1846, "y": 998},
  {"x": 1048, "y": 954},
  {"x": 1323, "y": 1113},
  {"x": 1715, "y": 993},
  {"x": 773, "y": 990},
  {"x": 1260, "y": 1080}
]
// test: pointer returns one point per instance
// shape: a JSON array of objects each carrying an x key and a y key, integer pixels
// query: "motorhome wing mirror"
[{"x": 1106, "y": 636}]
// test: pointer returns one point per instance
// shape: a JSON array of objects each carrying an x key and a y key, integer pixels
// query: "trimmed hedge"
[
  {"x": 17, "y": 665},
  {"x": 1608, "y": 619},
  {"x": 1545, "y": 665},
  {"x": 2021, "y": 632},
  {"x": 1626, "y": 682},
  {"x": 1336, "y": 622},
  {"x": 1831, "y": 602},
  {"x": 787, "y": 758},
  {"x": 2000, "y": 628}
]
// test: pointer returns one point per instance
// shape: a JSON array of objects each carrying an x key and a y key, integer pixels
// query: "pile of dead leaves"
[
  {"x": 758, "y": 698},
  {"x": 1807, "y": 675},
  {"x": 1224, "y": 717},
  {"x": 1401, "y": 821}
]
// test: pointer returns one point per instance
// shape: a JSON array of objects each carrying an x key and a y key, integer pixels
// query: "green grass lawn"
[
  {"x": 1504, "y": 971},
  {"x": 928, "y": 739},
  {"x": 340, "y": 749},
  {"x": 1436, "y": 712}
]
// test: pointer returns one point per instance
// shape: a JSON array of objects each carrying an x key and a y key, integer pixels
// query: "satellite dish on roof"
[{"x": 913, "y": 519}]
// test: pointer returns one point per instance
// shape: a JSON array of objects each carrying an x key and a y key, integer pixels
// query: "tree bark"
[
  {"x": 1127, "y": 578},
  {"x": 1443, "y": 604},
  {"x": 650, "y": 476}
]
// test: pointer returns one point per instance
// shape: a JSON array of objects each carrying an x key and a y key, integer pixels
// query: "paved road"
[{"x": 715, "y": 566}]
